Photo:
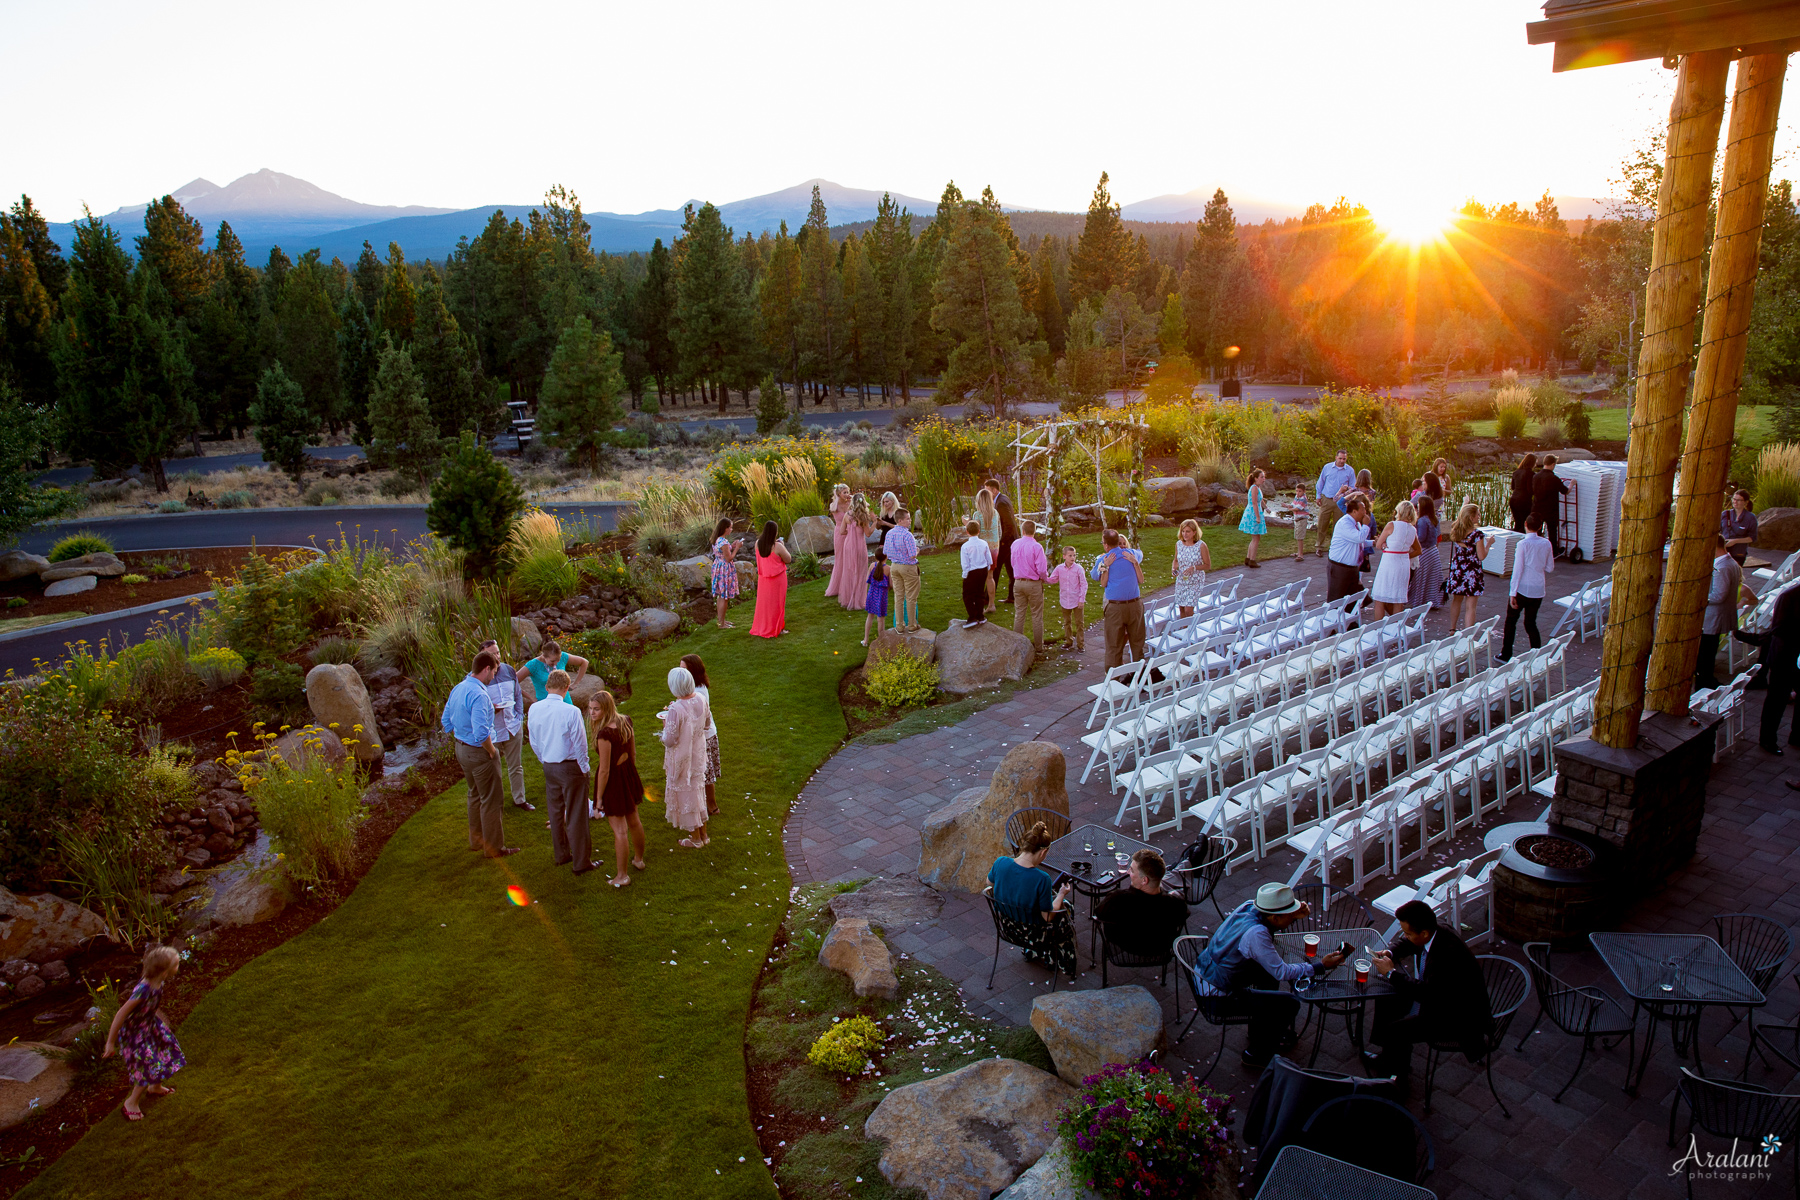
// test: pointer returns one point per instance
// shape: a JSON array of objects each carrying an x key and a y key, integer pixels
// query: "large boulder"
[
  {"x": 32, "y": 1078},
  {"x": 959, "y": 842},
  {"x": 296, "y": 746},
  {"x": 1171, "y": 494},
  {"x": 72, "y": 585},
  {"x": 1778, "y": 529},
  {"x": 250, "y": 900},
  {"x": 853, "y": 948},
  {"x": 920, "y": 643},
  {"x": 1084, "y": 1031},
  {"x": 889, "y": 903},
  {"x": 87, "y": 564},
  {"x": 811, "y": 535},
  {"x": 746, "y": 573},
  {"x": 694, "y": 574},
  {"x": 648, "y": 624},
  {"x": 980, "y": 657},
  {"x": 970, "y": 1133},
  {"x": 584, "y": 689},
  {"x": 526, "y": 635},
  {"x": 32, "y": 925},
  {"x": 1480, "y": 448},
  {"x": 1051, "y": 1177},
  {"x": 339, "y": 701},
  {"x": 1570, "y": 454},
  {"x": 17, "y": 564}
]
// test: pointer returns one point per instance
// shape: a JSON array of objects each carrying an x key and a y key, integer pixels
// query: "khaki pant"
[
  {"x": 1075, "y": 627},
  {"x": 1028, "y": 598},
  {"x": 1328, "y": 519},
  {"x": 1124, "y": 624},
  {"x": 512, "y": 766},
  {"x": 905, "y": 594},
  {"x": 483, "y": 774}
]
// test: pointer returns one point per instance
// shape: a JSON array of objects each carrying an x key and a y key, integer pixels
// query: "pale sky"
[{"x": 640, "y": 106}]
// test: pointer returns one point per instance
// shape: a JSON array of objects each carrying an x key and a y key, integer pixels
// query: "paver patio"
[{"x": 861, "y": 812}]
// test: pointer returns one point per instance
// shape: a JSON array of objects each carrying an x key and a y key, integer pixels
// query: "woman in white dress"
[
  {"x": 1398, "y": 545},
  {"x": 1192, "y": 561}
]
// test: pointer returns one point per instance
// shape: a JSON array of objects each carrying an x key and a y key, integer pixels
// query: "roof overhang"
[{"x": 1596, "y": 33}]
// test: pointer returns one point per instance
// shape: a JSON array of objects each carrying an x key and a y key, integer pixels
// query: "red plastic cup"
[
  {"x": 1362, "y": 971},
  {"x": 1311, "y": 942}
]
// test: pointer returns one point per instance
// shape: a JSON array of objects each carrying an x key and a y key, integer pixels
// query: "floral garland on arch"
[{"x": 1049, "y": 444}]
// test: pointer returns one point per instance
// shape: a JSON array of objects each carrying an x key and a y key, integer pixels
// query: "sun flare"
[{"x": 1413, "y": 219}]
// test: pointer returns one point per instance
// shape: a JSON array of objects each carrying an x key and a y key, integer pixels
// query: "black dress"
[
  {"x": 1520, "y": 500},
  {"x": 624, "y": 790}
]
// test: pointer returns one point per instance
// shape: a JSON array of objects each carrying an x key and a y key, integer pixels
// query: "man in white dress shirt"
[
  {"x": 1351, "y": 538},
  {"x": 560, "y": 741},
  {"x": 1533, "y": 561}
]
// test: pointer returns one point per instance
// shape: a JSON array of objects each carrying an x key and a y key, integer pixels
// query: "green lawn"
[
  {"x": 1754, "y": 425},
  {"x": 430, "y": 1039}
]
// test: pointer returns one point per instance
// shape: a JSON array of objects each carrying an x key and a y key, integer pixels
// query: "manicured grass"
[
  {"x": 1755, "y": 425},
  {"x": 430, "y": 1039}
]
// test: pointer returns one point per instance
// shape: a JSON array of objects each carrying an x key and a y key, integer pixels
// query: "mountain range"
[{"x": 268, "y": 209}]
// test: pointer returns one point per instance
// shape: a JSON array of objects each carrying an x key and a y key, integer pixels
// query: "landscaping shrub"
[
  {"x": 606, "y": 570},
  {"x": 1549, "y": 399},
  {"x": 87, "y": 1053},
  {"x": 651, "y": 584},
  {"x": 473, "y": 505},
  {"x": 78, "y": 544},
  {"x": 167, "y": 774},
  {"x": 805, "y": 566},
  {"x": 1474, "y": 406},
  {"x": 725, "y": 477},
  {"x": 608, "y": 656},
  {"x": 901, "y": 680},
  {"x": 310, "y": 811},
  {"x": 217, "y": 666},
  {"x": 771, "y": 405},
  {"x": 171, "y": 506},
  {"x": 237, "y": 498},
  {"x": 280, "y": 686},
  {"x": 1512, "y": 408},
  {"x": 547, "y": 576},
  {"x": 338, "y": 588},
  {"x": 1136, "y": 1131},
  {"x": 1778, "y": 476},
  {"x": 1550, "y": 433},
  {"x": 133, "y": 580},
  {"x": 878, "y": 454},
  {"x": 844, "y": 1049},
  {"x": 335, "y": 650},
  {"x": 257, "y": 612},
  {"x": 398, "y": 487},
  {"x": 154, "y": 673},
  {"x": 913, "y": 412},
  {"x": 89, "y": 677},
  {"x": 1578, "y": 422},
  {"x": 16, "y": 602},
  {"x": 322, "y": 493}
]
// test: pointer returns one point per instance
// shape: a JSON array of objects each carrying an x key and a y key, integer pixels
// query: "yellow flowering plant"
[{"x": 844, "y": 1049}]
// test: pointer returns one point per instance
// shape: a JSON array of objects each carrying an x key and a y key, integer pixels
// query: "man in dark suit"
[
  {"x": 1780, "y": 650},
  {"x": 1441, "y": 998},
  {"x": 1009, "y": 532},
  {"x": 1547, "y": 491}
]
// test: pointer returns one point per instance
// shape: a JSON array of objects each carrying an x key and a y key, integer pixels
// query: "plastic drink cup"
[
  {"x": 1311, "y": 942},
  {"x": 1362, "y": 971}
]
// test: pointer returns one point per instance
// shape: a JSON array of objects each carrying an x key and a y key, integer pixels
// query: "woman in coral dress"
[
  {"x": 684, "y": 758},
  {"x": 772, "y": 560},
  {"x": 854, "y": 554},
  {"x": 843, "y": 582}
]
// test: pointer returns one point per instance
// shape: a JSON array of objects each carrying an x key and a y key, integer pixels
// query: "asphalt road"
[
  {"x": 64, "y": 476},
  {"x": 390, "y": 526}
]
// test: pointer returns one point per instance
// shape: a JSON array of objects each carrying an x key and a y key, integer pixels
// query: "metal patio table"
[
  {"x": 1674, "y": 977},
  {"x": 1337, "y": 993},
  {"x": 1103, "y": 873},
  {"x": 1302, "y": 1174}
]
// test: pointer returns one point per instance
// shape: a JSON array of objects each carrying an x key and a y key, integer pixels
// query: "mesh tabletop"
[
  {"x": 1339, "y": 984},
  {"x": 1674, "y": 968},
  {"x": 1302, "y": 1174},
  {"x": 1102, "y": 866}
]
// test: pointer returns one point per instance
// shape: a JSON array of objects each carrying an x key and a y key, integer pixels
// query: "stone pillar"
[{"x": 1648, "y": 799}]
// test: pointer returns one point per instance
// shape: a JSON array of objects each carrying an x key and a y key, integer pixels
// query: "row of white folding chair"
[
  {"x": 1765, "y": 577},
  {"x": 1452, "y": 892},
  {"x": 1585, "y": 609},
  {"x": 1727, "y": 701},
  {"x": 1163, "y": 627},
  {"x": 1160, "y": 609}
]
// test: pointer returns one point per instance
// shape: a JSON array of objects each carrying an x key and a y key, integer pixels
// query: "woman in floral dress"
[
  {"x": 1468, "y": 546},
  {"x": 143, "y": 1035},
  {"x": 1192, "y": 561},
  {"x": 724, "y": 569}
]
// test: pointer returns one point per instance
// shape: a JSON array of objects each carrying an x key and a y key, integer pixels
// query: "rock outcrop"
[
  {"x": 43, "y": 925},
  {"x": 648, "y": 624},
  {"x": 811, "y": 535},
  {"x": 1171, "y": 494},
  {"x": 1086, "y": 1030},
  {"x": 970, "y": 1133},
  {"x": 339, "y": 702},
  {"x": 1778, "y": 529},
  {"x": 920, "y": 643},
  {"x": 959, "y": 842},
  {"x": 853, "y": 948},
  {"x": 17, "y": 564},
  {"x": 980, "y": 657}
]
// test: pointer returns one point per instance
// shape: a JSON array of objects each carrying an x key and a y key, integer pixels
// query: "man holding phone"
[{"x": 1444, "y": 999}]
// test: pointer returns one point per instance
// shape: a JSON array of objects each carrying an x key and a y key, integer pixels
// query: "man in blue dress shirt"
[
  {"x": 469, "y": 720},
  {"x": 1335, "y": 477}
]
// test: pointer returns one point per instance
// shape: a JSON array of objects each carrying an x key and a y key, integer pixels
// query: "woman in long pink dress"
[
  {"x": 854, "y": 553},
  {"x": 772, "y": 558},
  {"x": 684, "y": 758},
  {"x": 843, "y": 582}
]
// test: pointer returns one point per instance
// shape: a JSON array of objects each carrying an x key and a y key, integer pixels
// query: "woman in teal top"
[
  {"x": 552, "y": 658},
  {"x": 1034, "y": 914}
]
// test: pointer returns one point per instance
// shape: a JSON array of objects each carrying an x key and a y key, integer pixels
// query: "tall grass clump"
[
  {"x": 949, "y": 461},
  {"x": 1512, "y": 408},
  {"x": 155, "y": 671},
  {"x": 541, "y": 570},
  {"x": 725, "y": 477},
  {"x": 78, "y": 544},
  {"x": 335, "y": 650},
  {"x": 335, "y": 588},
  {"x": 1778, "y": 476},
  {"x": 311, "y": 810}
]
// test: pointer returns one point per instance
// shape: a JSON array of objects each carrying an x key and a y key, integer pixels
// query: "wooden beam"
[
  {"x": 1712, "y": 419},
  {"x": 1673, "y": 297},
  {"x": 1607, "y": 34}
]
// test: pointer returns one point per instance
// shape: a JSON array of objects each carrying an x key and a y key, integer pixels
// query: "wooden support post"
[
  {"x": 1672, "y": 299},
  {"x": 1712, "y": 418}
]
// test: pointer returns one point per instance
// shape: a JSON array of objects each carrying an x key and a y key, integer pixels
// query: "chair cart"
[{"x": 1568, "y": 523}]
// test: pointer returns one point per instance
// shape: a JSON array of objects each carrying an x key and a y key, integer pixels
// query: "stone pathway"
[{"x": 860, "y": 815}]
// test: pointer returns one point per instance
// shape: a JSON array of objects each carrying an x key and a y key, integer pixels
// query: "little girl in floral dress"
[{"x": 143, "y": 1035}]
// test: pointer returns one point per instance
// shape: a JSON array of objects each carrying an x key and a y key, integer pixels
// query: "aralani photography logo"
[{"x": 1732, "y": 1166}]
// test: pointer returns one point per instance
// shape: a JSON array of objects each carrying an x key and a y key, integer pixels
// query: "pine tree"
[
  {"x": 1107, "y": 255},
  {"x": 1213, "y": 284},
  {"x": 474, "y": 502},
  {"x": 28, "y": 311},
  {"x": 856, "y": 282},
  {"x": 1171, "y": 334},
  {"x": 780, "y": 306},
  {"x": 223, "y": 345},
  {"x": 285, "y": 423},
  {"x": 822, "y": 334},
  {"x": 771, "y": 405},
  {"x": 125, "y": 383},
  {"x": 460, "y": 398},
  {"x": 1049, "y": 306},
  {"x": 25, "y": 434},
  {"x": 977, "y": 307},
  {"x": 714, "y": 334},
  {"x": 655, "y": 311},
  {"x": 396, "y": 314},
  {"x": 1081, "y": 373},
  {"x": 357, "y": 361},
  {"x": 890, "y": 253},
  {"x": 306, "y": 342},
  {"x": 275, "y": 275},
  {"x": 402, "y": 434},
  {"x": 1129, "y": 334},
  {"x": 370, "y": 278},
  {"x": 580, "y": 400},
  {"x": 173, "y": 248}
]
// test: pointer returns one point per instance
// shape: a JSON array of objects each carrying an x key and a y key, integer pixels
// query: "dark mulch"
[{"x": 188, "y": 578}]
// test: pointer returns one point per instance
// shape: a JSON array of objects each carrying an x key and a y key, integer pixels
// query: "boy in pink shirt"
[{"x": 1071, "y": 594}]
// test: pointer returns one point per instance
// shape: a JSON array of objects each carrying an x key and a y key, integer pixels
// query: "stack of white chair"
[
  {"x": 1757, "y": 620},
  {"x": 1455, "y": 893},
  {"x": 1727, "y": 701}
]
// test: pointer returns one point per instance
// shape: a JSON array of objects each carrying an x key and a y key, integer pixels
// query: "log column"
[
  {"x": 1712, "y": 419},
  {"x": 1672, "y": 301}
]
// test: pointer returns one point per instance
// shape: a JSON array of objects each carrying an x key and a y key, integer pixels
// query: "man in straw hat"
[{"x": 1241, "y": 964}]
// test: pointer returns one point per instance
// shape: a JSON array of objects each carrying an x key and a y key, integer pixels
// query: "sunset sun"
[{"x": 1412, "y": 219}]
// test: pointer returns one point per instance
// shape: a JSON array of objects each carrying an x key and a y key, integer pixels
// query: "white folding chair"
[
  {"x": 1472, "y": 891},
  {"x": 1173, "y": 775}
]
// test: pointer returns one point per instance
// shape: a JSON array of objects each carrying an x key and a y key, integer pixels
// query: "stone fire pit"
[{"x": 1553, "y": 884}]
